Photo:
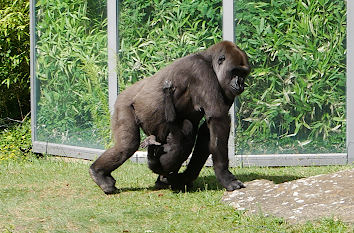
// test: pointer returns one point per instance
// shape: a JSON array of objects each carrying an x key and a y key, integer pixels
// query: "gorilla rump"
[{"x": 169, "y": 107}]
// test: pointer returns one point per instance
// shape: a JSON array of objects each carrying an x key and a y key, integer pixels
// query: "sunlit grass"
[{"x": 55, "y": 195}]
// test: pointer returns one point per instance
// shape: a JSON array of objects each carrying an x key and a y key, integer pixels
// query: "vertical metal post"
[
  {"x": 228, "y": 29},
  {"x": 350, "y": 81},
  {"x": 112, "y": 30},
  {"x": 228, "y": 20},
  {"x": 34, "y": 87}
]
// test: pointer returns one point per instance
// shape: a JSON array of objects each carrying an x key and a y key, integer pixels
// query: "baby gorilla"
[{"x": 166, "y": 159}]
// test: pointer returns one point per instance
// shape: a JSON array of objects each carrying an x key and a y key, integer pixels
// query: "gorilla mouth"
[
  {"x": 236, "y": 91},
  {"x": 235, "y": 87}
]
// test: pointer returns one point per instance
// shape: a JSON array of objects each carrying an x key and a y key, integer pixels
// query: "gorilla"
[{"x": 169, "y": 107}]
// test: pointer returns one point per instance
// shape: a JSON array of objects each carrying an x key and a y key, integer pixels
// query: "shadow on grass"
[
  {"x": 210, "y": 183},
  {"x": 134, "y": 189}
]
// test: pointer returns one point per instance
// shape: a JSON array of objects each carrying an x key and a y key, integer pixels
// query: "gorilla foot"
[
  {"x": 235, "y": 184},
  {"x": 179, "y": 183},
  {"x": 106, "y": 183},
  {"x": 181, "y": 187}
]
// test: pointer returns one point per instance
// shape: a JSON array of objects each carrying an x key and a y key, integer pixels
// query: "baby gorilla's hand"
[{"x": 150, "y": 140}]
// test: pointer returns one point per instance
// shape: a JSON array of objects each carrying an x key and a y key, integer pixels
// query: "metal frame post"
[
  {"x": 228, "y": 31},
  {"x": 112, "y": 30},
  {"x": 350, "y": 82},
  {"x": 33, "y": 81}
]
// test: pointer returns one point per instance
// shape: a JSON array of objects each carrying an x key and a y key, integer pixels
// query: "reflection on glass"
[
  {"x": 71, "y": 68},
  {"x": 295, "y": 102}
]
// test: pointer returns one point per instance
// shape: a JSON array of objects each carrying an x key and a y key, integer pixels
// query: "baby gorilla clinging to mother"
[{"x": 166, "y": 159}]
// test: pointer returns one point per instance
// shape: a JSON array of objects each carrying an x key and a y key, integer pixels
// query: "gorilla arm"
[
  {"x": 219, "y": 129},
  {"x": 208, "y": 95}
]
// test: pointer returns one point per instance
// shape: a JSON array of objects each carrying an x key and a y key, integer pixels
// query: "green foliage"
[
  {"x": 154, "y": 33},
  {"x": 14, "y": 58},
  {"x": 296, "y": 98},
  {"x": 295, "y": 101},
  {"x": 72, "y": 57},
  {"x": 15, "y": 142},
  {"x": 72, "y": 72}
]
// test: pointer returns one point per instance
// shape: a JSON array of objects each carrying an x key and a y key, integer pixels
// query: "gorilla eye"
[{"x": 221, "y": 59}]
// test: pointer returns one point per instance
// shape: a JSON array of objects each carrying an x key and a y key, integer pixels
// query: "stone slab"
[{"x": 327, "y": 195}]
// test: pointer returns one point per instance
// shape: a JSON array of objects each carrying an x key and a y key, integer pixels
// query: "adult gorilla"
[{"x": 205, "y": 85}]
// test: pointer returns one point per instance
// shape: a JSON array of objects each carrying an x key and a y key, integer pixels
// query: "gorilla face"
[{"x": 231, "y": 68}]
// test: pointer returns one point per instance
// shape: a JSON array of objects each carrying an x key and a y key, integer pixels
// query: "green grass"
[{"x": 46, "y": 195}]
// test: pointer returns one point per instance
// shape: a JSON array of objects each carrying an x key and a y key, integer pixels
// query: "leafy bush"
[
  {"x": 15, "y": 141},
  {"x": 14, "y": 58},
  {"x": 296, "y": 98}
]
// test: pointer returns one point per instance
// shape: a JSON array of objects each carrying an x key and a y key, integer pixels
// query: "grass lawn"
[{"x": 46, "y": 195}]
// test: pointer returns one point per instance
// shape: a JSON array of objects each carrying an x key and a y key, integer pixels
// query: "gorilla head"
[{"x": 231, "y": 67}]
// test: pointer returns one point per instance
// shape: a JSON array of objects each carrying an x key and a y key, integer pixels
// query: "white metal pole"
[
  {"x": 228, "y": 29},
  {"x": 34, "y": 87},
  {"x": 112, "y": 31}
]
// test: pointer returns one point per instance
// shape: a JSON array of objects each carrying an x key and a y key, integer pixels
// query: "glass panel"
[
  {"x": 71, "y": 72},
  {"x": 295, "y": 101},
  {"x": 154, "y": 33}
]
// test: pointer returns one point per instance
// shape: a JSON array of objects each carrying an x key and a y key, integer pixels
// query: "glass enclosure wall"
[
  {"x": 295, "y": 101},
  {"x": 71, "y": 72}
]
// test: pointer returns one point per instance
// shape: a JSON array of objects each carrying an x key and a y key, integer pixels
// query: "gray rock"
[{"x": 328, "y": 195}]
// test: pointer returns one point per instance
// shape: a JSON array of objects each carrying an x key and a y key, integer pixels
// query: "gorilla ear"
[{"x": 221, "y": 59}]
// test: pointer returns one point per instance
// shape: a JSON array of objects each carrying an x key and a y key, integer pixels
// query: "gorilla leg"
[
  {"x": 200, "y": 154},
  {"x": 127, "y": 140},
  {"x": 197, "y": 161},
  {"x": 219, "y": 129}
]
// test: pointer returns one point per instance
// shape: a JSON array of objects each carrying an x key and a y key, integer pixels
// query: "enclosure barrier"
[{"x": 228, "y": 28}]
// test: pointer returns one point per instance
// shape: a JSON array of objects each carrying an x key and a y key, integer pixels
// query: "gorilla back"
[{"x": 205, "y": 84}]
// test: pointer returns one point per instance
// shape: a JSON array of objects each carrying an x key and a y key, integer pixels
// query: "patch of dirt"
[{"x": 327, "y": 195}]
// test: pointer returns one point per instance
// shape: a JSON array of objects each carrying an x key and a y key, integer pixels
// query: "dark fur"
[
  {"x": 205, "y": 84},
  {"x": 167, "y": 158}
]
